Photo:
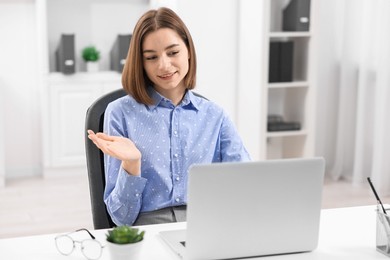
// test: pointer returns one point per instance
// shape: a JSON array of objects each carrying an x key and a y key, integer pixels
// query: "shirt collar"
[
  {"x": 189, "y": 100},
  {"x": 157, "y": 98}
]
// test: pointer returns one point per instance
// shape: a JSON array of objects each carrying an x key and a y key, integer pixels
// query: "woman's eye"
[
  {"x": 173, "y": 53},
  {"x": 150, "y": 57}
]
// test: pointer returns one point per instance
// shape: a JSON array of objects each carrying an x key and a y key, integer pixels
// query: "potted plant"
[
  {"x": 91, "y": 56},
  {"x": 124, "y": 242}
]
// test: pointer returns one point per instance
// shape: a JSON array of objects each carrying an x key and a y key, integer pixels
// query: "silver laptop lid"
[{"x": 254, "y": 208}]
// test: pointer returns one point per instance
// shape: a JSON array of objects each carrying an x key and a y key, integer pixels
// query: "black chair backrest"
[{"x": 95, "y": 160}]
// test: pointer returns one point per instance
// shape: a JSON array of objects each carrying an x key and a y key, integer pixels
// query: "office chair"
[{"x": 95, "y": 160}]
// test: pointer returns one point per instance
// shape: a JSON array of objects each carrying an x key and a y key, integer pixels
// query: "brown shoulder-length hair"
[{"x": 134, "y": 78}]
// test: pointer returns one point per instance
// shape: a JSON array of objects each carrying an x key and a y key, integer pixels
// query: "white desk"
[{"x": 346, "y": 233}]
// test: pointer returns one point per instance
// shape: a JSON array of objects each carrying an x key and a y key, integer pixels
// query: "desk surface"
[{"x": 345, "y": 233}]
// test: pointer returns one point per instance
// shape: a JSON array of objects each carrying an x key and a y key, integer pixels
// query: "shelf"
[
  {"x": 291, "y": 100},
  {"x": 289, "y": 35},
  {"x": 286, "y": 133},
  {"x": 286, "y": 86},
  {"x": 56, "y": 77},
  {"x": 293, "y": 84},
  {"x": 93, "y": 22}
]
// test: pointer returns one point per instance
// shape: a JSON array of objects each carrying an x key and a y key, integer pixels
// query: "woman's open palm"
[{"x": 119, "y": 147}]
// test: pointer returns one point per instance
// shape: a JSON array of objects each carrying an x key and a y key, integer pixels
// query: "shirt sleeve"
[
  {"x": 123, "y": 192},
  {"x": 232, "y": 147}
]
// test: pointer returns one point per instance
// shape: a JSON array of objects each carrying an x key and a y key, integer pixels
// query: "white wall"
[
  {"x": 229, "y": 67},
  {"x": 18, "y": 79},
  {"x": 328, "y": 66},
  {"x": 251, "y": 58},
  {"x": 213, "y": 26},
  {"x": 2, "y": 153}
]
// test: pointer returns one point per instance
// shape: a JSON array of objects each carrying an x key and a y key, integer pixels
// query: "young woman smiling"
[{"x": 155, "y": 133}]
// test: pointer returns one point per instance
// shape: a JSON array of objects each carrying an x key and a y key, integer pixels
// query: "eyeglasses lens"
[
  {"x": 91, "y": 249},
  {"x": 65, "y": 245}
]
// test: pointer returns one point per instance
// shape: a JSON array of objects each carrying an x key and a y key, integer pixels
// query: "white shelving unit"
[
  {"x": 65, "y": 98},
  {"x": 258, "y": 98},
  {"x": 294, "y": 100}
]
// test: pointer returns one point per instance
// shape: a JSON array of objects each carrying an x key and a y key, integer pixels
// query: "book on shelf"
[{"x": 281, "y": 57}]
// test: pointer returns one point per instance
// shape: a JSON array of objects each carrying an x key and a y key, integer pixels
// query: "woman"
[{"x": 154, "y": 134}]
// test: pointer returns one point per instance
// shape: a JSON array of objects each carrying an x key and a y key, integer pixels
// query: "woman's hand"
[{"x": 121, "y": 148}]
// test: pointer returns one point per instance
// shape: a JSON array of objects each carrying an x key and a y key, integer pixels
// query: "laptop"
[{"x": 250, "y": 209}]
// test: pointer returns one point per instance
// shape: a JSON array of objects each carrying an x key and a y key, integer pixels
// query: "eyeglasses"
[{"x": 91, "y": 248}]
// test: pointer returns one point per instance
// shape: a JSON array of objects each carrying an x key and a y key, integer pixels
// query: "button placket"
[{"x": 175, "y": 150}]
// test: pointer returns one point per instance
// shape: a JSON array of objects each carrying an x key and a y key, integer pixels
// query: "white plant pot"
[
  {"x": 92, "y": 66},
  {"x": 125, "y": 251}
]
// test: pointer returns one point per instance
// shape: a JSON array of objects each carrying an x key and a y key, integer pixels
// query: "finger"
[
  {"x": 98, "y": 142},
  {"x": 95, "y": 140},
  {"x": 101, "y": 144},
  {"x": 93, "y": 137},
  {"x": 105, "y": 137},
  {"x": 90, "y": 132}
]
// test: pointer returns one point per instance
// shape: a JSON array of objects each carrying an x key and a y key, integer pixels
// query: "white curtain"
[{"x": 362, "y": 147}]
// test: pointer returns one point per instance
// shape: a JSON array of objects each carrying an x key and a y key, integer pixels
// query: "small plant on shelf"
[{"x": 90, "y": 53}]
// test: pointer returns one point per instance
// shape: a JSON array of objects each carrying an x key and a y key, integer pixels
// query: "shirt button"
[
  {"x": 175, "y": 155},
  {"x": 177, "y": 199},
  {"x": 137, "y": 194},
  {"x": 175, "y": 132},
  {"x": 178, "y": 178}
]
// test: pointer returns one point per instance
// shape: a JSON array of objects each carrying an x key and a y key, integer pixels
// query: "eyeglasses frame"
[{"x": 79, "y": 242}]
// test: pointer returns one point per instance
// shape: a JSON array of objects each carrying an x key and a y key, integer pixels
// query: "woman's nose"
[{"x": 164, "y": 62}]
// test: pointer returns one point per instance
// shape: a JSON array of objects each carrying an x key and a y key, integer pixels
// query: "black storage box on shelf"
[
  {"x": 118, "y": 53},
  {"x": 296, "y": 16},
  {"x": 65, "y": 54},
  {"x": 281, "y": 57},
  {"x": 283, "y": 126},
  {"x": 276, "y": 123}
]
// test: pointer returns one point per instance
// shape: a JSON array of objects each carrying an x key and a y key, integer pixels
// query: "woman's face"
[{"x": 166, "y": 61}]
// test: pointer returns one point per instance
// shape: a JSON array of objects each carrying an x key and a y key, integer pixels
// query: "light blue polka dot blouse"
[{"x": 171, "y": 139}]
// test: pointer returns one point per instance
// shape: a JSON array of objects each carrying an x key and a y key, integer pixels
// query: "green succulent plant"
[
  {"x": 90, "y": 53},
  {"x": 124, "y": 235}
]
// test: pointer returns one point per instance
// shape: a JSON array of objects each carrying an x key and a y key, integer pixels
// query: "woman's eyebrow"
[
  {"x": 172, "y": 46},
  {"x": 167, "y": 48}
]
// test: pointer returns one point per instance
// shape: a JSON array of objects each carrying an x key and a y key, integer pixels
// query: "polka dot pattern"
[{"x": 171, "y": 139}]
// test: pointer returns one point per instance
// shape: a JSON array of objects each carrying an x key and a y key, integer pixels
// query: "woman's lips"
[{"x": 167, "y": 76}]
